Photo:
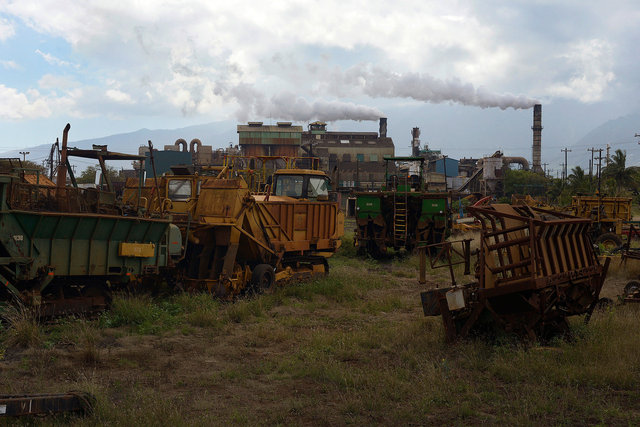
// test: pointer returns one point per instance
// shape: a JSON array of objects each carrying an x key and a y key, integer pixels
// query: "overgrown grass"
[
  {"x": 349, "y": 348},
  {"x": 23, "y": 327}
]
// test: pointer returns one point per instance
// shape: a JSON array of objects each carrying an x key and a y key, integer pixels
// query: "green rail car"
[
  {"x": 401, "y": 215},
  {"x": 69, "y": 261}
]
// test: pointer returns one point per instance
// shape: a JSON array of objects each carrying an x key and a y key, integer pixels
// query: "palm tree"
[
  {"x": 617, "y": 170},
  {"x": 578, "y": 181}
]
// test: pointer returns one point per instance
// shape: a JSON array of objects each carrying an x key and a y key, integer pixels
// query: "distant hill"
[
  {"x": 618, "y": 133},
  {"x": 216, "y": 134}
]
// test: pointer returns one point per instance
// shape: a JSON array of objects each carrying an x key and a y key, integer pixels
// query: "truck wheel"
[
  {"x": 262, "y": 277},
  {"x": 610, "y": 241},
  {"x": 631, "y": 288}
]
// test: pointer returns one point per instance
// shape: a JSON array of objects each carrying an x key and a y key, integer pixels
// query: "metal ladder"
[{"x": 400, "y": 217}]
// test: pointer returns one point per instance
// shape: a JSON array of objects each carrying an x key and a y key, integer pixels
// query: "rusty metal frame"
[
  {"x": 45, "y": 404},
  {"x": 444, "y": 257},
  {"x": 535, "y": 267}
]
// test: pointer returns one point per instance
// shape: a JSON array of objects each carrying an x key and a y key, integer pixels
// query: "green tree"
[
  {"x": 624, "y": 177},
  {"x": 28, "y": 164},
  {"x": 88, "y": 176},
  {"x": 579, "y": 182},
  {"x": 524, "y": 182}
]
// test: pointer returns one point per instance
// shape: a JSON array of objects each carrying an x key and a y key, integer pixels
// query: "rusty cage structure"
[{"x": 535, "y": 267}]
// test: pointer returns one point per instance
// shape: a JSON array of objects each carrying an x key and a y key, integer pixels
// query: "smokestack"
[
  {"x": 537, "y": 139},
  {"x": 383, "y": 127},
  {"x": 415, "y": 142}
]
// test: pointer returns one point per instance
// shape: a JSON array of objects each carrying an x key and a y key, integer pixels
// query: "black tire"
[
  {"x": 631, "y": 288},
  {"x": 604, "y": 304},
  {"x": 262, "y": 277},
  {"x": 610, "y": 241}
]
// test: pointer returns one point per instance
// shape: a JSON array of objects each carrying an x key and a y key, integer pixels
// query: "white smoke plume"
[
  {"x": 378, "y": 83},
  {"x": 288, "y": 106}
]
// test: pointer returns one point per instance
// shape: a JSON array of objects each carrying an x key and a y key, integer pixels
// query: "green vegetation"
[
  {"x": 350, "y": 348},
  {"x": 616, "y": 180}
]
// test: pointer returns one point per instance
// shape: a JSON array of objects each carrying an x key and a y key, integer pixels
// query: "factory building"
[
  {"x": 354, "y": 159},
  {"x": 257, "y": 139}
]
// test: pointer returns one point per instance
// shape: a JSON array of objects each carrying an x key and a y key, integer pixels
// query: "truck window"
[
  {"x": 179, "y": 190},
  {"x": 289, "y": 185},
  {"x": 318, "y": 186}
]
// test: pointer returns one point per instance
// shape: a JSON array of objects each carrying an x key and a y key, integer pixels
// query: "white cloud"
[
  {"x": 53, "y": 82},
  {"x": 6, "y": 30},
  {"x": 52, "y": 59},
  {"x": 591, "y": 62},
  {"x": 10, "y": 65},
  {"x": 206, "y": 58},
  {"x": 16, "y": 105},
  {"x": 119, "y": 96}
]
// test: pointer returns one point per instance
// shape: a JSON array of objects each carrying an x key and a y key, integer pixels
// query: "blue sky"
[{"x": 465, "y": 72}]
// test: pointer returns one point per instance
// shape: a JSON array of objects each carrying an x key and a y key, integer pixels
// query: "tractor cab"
[
  {"x": 409, "y": 175},
  {"x": 301, "y": 184}
]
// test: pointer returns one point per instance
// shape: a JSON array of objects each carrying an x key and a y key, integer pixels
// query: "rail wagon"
[{"x": 66, "y": 248}]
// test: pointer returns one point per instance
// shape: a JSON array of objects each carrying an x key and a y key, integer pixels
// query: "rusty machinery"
[
  {"x": 65, "y": 248},
  {"x": 535, "y": 267},
  {"x": 235, "y": 238},
  {"x": 631, "y": 292},
  {"x": 610, "y": 215},
  {"x": 402, "y": 214},
  {"x": 45, "y": 404}
]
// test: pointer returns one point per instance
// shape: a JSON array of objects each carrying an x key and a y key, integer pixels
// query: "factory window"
[
  {"x": 373, "y": 157},
  {"x": 344, "y": 141},
  {"x": 360, "y": 157},
  {"x": 179, "y": 190}
]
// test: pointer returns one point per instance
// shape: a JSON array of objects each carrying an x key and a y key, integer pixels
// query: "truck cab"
[{"x": 301, "y": 184}]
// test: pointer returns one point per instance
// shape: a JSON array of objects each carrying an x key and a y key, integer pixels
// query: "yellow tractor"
[{"x": 236, "y": 240}]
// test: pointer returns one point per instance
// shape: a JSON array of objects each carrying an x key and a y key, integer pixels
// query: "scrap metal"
[{"x": 535, "y": 267}]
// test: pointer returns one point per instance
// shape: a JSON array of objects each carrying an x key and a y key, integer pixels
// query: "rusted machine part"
[
  {"x": 194, "y": 142},
  {"x": 535, "y": 268},
  {"x": 632, "y": 292},
  {"x": 181, "y": 142},
  {"x": 61, "y": 179},
  {"x": 45, "y": 404}
]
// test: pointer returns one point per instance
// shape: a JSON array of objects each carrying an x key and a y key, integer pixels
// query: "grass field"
[{"x": 351, "y": 348}]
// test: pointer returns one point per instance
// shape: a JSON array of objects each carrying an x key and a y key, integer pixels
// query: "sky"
[{"x": 466, "y": 72}]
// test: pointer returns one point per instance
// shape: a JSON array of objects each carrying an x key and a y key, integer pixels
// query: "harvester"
[
  {"x": 236, "y": 240},
  {"x": 402, "y": 214},
  {"x": 535, "y": 267}
]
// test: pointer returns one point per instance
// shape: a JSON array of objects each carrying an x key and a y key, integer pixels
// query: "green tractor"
[{"x": 402, "y": 214}]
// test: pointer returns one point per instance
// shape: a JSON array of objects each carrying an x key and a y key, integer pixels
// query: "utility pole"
[
  {"x": 544, "y": 167},
  {"x": 565, "y": 150},
  {"x": 562, "y": 172},
  {"x": 599, "y": 167},
  {"x": 591, "y": 164},
  {"x": 24, "y": 155},
  {"x": 608, "y": 146},
  {"x": 444, "y": 164}
]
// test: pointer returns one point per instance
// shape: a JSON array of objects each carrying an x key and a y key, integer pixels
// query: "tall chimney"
[
  {"x": 537, "y": 139},
  {"x": 415, "y": 142},
  {"x": 383, "y": 127}
]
